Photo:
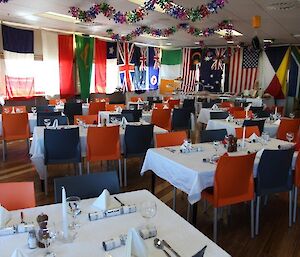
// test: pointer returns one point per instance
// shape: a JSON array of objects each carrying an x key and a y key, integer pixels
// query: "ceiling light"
[
  {"x": 230, "y": 42},
  {"x": 269, "y": 41},
  {"x": 154, "y": 37},
  {"x": 168, "y": 43},
  {"x": 296, "y": 35},
  {"x": 197, "y": 43},
  {"x": 224, "y": 32},
  {"x": 58, "y": 16}
]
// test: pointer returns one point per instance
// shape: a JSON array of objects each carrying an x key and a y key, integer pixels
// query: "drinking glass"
[
  {"x": 33, "y": 109},
  {"x": 216, "y": 145},
  {"x": 73, "y": 204},
  {"x": 290, "y": 136},
  {"x": 292, "y": 115},
  {"x": 148, "y": 210},
  {"x": 47, "y": 122},
  {"x": 46, "y": 236}
]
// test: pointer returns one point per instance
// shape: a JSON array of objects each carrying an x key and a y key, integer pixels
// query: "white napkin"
[
  {"x": 246, "y": 92},
  {"x": 55, "y": 123},
  {"x": 259, "y": 153},
  {"x": 2, "y": 101},
  {"x": 140, "y": 100},
  {"x": 254, "y": 137},
  {"x": 19, "y": 253},
  {"x": 165, "y": 106},
  {"x": 248, "y": 107},
  {"x": 277, "y": 122},
  {"x": 118, "y": 109},
  {"x": 105, "y": 201},
  {"x": 215, "y": 107},
  {"x": 124, "y": 121},
  {"x": 5, "y": 216},
  {"x": 228, "y": 118},
  {"x": 135, "y": 245}
]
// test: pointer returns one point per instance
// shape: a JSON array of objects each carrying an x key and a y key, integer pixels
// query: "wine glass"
[
  {"x": 148, "y": 210},
  {"x": 73, "y": 203},
  {"x": 33, "y": 109},
  {"x": 290, "y": 136},
  {"x": 47, "y": 122},
  {"x": 292, "y": 115},
  {"x": 46, "y": 235}
]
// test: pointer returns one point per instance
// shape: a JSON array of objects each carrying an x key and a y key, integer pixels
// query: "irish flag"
[
  {"x": 171, "y": 64},
  {"x": 19, "y": 61}
]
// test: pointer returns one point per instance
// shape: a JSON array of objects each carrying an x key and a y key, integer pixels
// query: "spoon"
[{"x": 158, "y": 244}]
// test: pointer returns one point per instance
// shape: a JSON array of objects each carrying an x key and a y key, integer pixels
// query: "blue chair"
[
  {"x": 274, "y": 175},
  {"x": 61, "y": 146},
  {"x": 62, "y": 120},
  {"x": 137, "y": 140},
  {"x": 189, "y": 104},
  {"x": 135, "y": 115},
  {"x": 72, "y": 109},
  {"x": 212, "y": 135},
  {"x": 218, "y": 115},
  {"x": 181, "y": 119},
  {"x": 45, "y": 108},
  {"x": 87, "y": 186},
  {"x": 259, "y": 123}
]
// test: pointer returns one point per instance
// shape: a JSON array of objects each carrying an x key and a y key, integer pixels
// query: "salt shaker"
[{"x": 32, "y": 242}]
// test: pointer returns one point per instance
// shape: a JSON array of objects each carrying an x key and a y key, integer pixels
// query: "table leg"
[
  {"x": 194, "y": 213},
  {"x": 153, "y": 183}
]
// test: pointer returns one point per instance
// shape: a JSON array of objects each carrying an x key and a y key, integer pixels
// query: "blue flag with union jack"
[
  {"x": 153, "y": 64},
  {"x": 139, "y": 59}
]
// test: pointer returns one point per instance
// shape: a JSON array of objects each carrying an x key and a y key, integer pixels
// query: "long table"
[
  {"x": 37, "y": 145},
  {"x": 188, "y": 172},
  {"x": 181, "y": 235}
]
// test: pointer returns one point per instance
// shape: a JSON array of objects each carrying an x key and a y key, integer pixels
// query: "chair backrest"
[
  {"x": 17, "y": 195},
  {"x": 136, "y": 114},
  {"x": 87, "y": 186},
  {"x": 233, "y": 181},
  {"x": 218, "y": 115},
  {"x": 14, "y": 109},
  {"x": 189, "y": 104},
  {"x": 173, "y": 103},
  {"x": 138, "y": 139},
  {"x": 259, "y": 123},
  {"x": 241, "y": 114},
  {"x": 288, "y": 125},
  {"x": 62, "y": 120},
  {"x": 170, "y": 139},
  {"x": 136, "y": 99},
  {"x": 72, "y": 109},
  {"x": 57, "y": 101},
  {"x": 181, "y": 119},
  {"x": 62, "y": 146},
  {"x": 235, "y": 108},
  {"x": 160, "y": 106},
  {"x": 263, "y": 114},
  {"x": 15, "y": 126},
  {"x": 212, "y": 135},
  {"x": 112, "y": 107},
  {"x": 95, "y": 107},
  {"x": 87, "y": 119},
  {"x": 274, "y": 171},
  {"x": 45, "y": 108},
  {"x": 226, "y": 104},
  {"x": 161, "y": 118},
  {"x": 256, "y": 109},
  {"x": 207, "y": 105},
  {"x": 249, "y": 131},
  {"x": 103, "y": 143}
]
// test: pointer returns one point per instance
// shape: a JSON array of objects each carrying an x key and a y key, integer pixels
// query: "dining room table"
[
  {"x": 37, "y": 146},
  {"x": 184, "y": 238}
]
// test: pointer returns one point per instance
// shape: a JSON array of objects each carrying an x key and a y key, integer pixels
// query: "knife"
[
  {"x": 201, "y": 252},
  {"x": 167, "y": 245}
]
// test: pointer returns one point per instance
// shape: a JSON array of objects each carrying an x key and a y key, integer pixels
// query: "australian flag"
[
  {"x": 153, "y": 67},
  {"x": 139, "y": 60}
]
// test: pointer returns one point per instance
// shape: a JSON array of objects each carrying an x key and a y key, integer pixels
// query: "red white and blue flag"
[{"x": 153, "y": 67}]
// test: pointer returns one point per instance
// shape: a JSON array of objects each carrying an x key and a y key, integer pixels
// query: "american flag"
[
  {"x": 126, "y": 67},
  {"x": 243, "y": 69},
  {"x": 188, "y": 76}
]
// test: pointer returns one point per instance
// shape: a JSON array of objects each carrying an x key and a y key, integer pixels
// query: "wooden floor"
[{"x": 275, "y": 238}]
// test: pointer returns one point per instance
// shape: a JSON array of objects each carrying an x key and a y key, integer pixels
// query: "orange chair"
[
  {"x": 297, "y": 185},
  {"x": 97, "y": 100},
  {"x": 14, "y": 109},
  {"x": 57, "y": 101},
  {"x": 288, "y": 125},
  {"x": 170, "y": 139},
  {"x": 94, "y": 108},
  {"x": 167, "y": 98},
  {"x": 17, "y": 195},
  {"x": 235, "y": 108},
  {"x": 112, "y": 107},
  {"x": 87, "y": 119},
  {"x": 14, "y": 127},
  {"x": 136, "y": 99},
  {"x": 233, "y": 183},
  {"x": 241, "y": 114},
  {"x": 226, "y": 105},
  {"x": 173, "y": 103},
  {"x": 161, "y": 118},
  {"x": 103, "y": 143},
  {"x": 249, "y": 131},
  {"x": 160, "y": 106}
]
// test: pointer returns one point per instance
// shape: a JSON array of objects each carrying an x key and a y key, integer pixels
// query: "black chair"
[
  {"x": 61, "y": 146},
  {"x": 256, "y": 109},
  {"x": 137, "y": 140},
  {"x": 62, "y": 120},
  {"x": 117, "y": 117},
  {"x": 128, "y": 116},
  {"x": 259, "y": 123},
  {"x": 87, "y": 186},
  {"x": 136, "y": 114},
  {"x": 263, "y": 114},
  {"x": 212, "y": 135},
  {"x": 45, "y": 108},
  {"x": 72, "y": 109},
  {"x": 207, "y": 105},
  {"x": 181, "y": 119},
  {"x": 274, "y": 175},
  {"x": 218, "y": 115},
  {"x": 189, "y": 104}
]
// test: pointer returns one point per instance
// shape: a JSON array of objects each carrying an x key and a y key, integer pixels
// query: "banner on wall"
[
  {"x": 153, "y": 64},
  {"x": 190, "y": 67},
  {"x": 294, "y": 74},
  {"x": 19, "y": 61},
  {"x": 139, "y": 59},
  {"x": 171, "y": 64}
]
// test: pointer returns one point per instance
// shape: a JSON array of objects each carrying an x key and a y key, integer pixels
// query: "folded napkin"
[
  {"x": 165, "y": 106},
  {"x": 215, "y": 107},
  {"x": 5, "y": 216},
  {"x": 228, "y": 119},
  {"x": 259, "y": 153},
  {"x": 118, "y": 109},
  {"x": 135, "y": 245},
  {"x": 124, "y": 122},
  {"x": 140, "y": 100},
  {"x": 105, "y": 201},
  {"x": 55, "y": 123},
  {"x": 19, "y": 253},
  {"x": 2, "y": 101},
  {"x": 254, "y": 137},
  {"x": 285, "y": 147},
  {"x": 248, "y": 107},
  {"x": 277, "y": 122}
]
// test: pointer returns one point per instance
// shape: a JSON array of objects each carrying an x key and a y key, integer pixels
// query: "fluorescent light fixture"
[
  {"x": 224, "y": 32},
  {"x": 168, "y": 43},
  {"x": 296, "y": 35},
  {"x": 58, "y": 16},
  {"x": 230, "y": 42},
  {"x": 153, "y": 37},
  {"x": 197, "y": 43},
  {"x": 269, "y": 41}
]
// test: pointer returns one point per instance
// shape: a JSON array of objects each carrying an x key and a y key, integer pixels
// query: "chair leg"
[
  {"x": 257, "y": 215},
  {"x": 174, "y": 198},
  {"x": 80, "y": 168},
  {"x": 46, "y": 182},
  {"x": 188, "y": 214},
  {"x": 205, "y": 205},
  {"x": 28, "y": 144},
  {"x": 4, "y": 149},
  {"x": 120, "y": 173},
  {"x": 295, "y": 204},
  {"x": 125, "y": 172},
  {"x": 88, "y": 167},
  {"x": 252, "y": 218},
  {"x": 290, "y": 207},
  {"x": 266, "y": 200},
  {"x": 215, "y": 225}
]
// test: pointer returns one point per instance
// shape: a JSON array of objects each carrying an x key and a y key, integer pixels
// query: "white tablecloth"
[
  {"x": 37, "y": 146},
  {"x": 105, "y": 115},
  {"x": 181, "y": 235},
  {"x": 188, "y": 172},
  {"x": 31, "y": 118},
  {"x": 257, "y": 102},
  {"x": 204, "y": 115},
  {"x": 270, "y": 128}
]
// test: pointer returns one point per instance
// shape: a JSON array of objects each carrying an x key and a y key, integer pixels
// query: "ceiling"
[{"x": 280, "y": 25}]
